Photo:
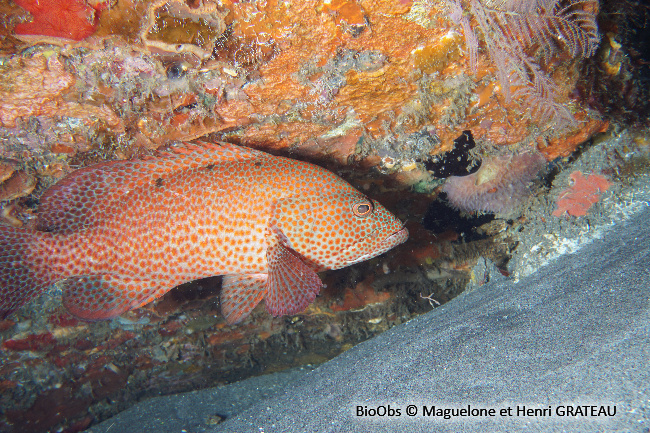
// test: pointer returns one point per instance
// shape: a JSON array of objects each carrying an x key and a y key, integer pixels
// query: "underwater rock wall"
[{"x": 392, "y": 82}]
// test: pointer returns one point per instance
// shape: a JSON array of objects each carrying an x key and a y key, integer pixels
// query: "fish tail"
[{"x": 21, "y": 276}]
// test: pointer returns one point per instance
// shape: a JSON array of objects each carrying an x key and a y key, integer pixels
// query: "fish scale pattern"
[
  {"x": 23, "y": 274},
  {"x": 123, "y": 233}
]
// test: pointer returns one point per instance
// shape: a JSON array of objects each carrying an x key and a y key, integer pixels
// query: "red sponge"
[
  {"x": 584, "y": 192},
  {"x": 70, "y": 19}
]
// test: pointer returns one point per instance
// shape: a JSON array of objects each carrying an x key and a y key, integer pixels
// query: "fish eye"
[{"x": 363, "y": 208}]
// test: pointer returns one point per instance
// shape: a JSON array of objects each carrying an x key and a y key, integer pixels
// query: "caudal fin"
[{"x": 20, "y": 278}]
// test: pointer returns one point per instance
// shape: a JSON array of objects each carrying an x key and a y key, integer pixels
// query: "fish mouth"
[{"x": 399, "y": 237}]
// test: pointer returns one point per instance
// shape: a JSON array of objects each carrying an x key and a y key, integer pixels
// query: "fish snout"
[
  {"x": 399, "y": 237},
  {"x": 371, "y": 246}
]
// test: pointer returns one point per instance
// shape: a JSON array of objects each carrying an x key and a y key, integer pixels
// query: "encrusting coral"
[{"x": 174, "y": 27}]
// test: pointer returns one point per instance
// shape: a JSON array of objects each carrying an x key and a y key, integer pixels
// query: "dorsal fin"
[{"x": 69, "y": 205}]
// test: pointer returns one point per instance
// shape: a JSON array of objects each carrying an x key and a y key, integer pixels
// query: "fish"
[{"x": 116, "y": 235}]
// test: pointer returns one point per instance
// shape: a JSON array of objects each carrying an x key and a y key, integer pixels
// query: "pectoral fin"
[{"x": 292, "y": 285}]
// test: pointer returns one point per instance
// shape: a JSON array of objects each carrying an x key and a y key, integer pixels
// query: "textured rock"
[{"x": 302, "y": 76}]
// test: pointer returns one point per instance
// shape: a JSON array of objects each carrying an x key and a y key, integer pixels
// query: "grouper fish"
[{"x": 119, "y": 234}]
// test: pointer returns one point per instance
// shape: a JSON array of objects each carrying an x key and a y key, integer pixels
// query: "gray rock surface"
[{"x": 576, "y": 333}]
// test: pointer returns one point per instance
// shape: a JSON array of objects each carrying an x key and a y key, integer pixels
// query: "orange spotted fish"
[{"x": 120, "y": 234}]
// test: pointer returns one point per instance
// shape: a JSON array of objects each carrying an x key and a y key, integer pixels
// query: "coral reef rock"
[{"x": 391, "y": 82}]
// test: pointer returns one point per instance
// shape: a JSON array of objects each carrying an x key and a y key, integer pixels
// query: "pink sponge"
[
  {"x": 499, "y": 186},
  {"x": 585, "y": 191}
]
